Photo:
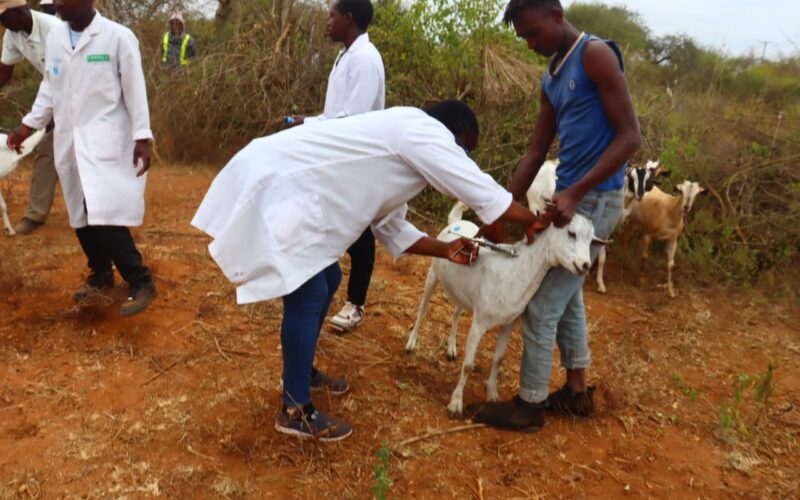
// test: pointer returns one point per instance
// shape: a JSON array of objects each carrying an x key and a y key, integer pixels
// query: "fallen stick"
[
  {"x": 161, "y": 372},
  {"x": 242, "y": 353},
  {"x": 216, "y": 342},
  {"x": 439, "y": 433}
]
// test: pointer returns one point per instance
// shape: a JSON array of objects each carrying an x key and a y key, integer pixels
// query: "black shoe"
[
  {"x": 139, "y": 297},
  {"x": 516, "y": 415},
  {"x": 94, "y": 283},
  {"x": 27, "y": 226},
  {"x": 308, "y": 422},
  {"x": 572, "y": 404},
  {"x": 336, "y": 386}
]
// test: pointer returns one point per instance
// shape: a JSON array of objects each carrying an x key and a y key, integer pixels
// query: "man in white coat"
[
  {"x": 94, "y": 88},
  {"x": 356, "y": 85},
  {"x": 281, "y": 217},
  {"x": 25, "y": 40}
]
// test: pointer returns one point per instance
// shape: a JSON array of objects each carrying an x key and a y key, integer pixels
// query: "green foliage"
[
  {"x": 616, "y": 23},
  {"x": 687, "y": 390},
  {"x": 732, "y": 414},
  {"x": 381, "y": 481}
]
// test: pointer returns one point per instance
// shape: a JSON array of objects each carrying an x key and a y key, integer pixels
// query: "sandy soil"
[{"x": 180, "y": 401}]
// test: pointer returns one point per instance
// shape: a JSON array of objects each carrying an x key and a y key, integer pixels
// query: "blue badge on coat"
[{"x": 56, "y": 70}]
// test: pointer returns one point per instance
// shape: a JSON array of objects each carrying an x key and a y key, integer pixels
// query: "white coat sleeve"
[
  {"x": 11, "y": 54},
  {"x": 395, "y": 232},
  {"x": 42, "y": 111},
  {"x": 134, "y": 90},
  {"x": 431, "y": 150}
]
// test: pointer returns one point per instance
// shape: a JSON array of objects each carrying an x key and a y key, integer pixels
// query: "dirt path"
[{"x": 180, "y": 401}]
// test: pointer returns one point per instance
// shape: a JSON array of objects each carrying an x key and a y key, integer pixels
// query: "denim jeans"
[
  {"x": 556, "y": 313},
  {"x": 304, "y": 312}
]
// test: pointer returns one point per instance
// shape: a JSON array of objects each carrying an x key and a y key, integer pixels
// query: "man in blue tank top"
[{"x": 585, "y": 100}]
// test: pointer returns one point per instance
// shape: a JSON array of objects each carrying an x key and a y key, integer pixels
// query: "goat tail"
[{"x": 457, "y": 212}]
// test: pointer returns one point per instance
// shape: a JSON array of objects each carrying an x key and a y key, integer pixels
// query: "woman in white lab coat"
[
  {"x": 286, "y": 207},
  {"x": 94, "y": 88}
]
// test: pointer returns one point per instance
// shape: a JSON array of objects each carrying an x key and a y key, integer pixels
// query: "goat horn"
[{"x": 598, "y": 241}]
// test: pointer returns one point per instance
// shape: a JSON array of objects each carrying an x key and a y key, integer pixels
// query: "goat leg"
[
  {"x": 499, "y": 352},
  {"x": 430, "y": 283},
  {"x": 672, "y": 246},
  {"x": 452, "y": 352},
  {"x": 9, "y": 229},
  {"x": 601, "y": 264},
  {"x": 456, "y": 407}
]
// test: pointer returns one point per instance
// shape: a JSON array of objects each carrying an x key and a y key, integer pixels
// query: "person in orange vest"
[{"x": 178, "y": 48}]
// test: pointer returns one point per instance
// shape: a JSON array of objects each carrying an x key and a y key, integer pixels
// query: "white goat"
[
  {"x": 661, "y": 217},
  {"x": 638, "y": 182},
  {"x": 497, "y": 289},
  {"x": 543, "y": 187},
  {"x": 539, "y": 194},
  {"x": 8, "y": 162}
]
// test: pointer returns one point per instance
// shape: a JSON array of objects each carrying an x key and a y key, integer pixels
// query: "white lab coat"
[
  {"x": 96, "y": 93},
  {"x": 357, "y": 82},
  {"x": 288, "y": 205}
]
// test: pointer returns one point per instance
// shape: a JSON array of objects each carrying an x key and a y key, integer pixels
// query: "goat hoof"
[
  {"x": 455, "y": 410},
  {"x": 451, "y": 357},
  {"x": 409, "y": 350},
  {"x": 492, "y": 395},
  {"x": 602, "y": 290},
  {"x": 455, "y": 415}
]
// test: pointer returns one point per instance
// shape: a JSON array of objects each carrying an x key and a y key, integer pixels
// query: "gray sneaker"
[
  {"x": 139, "y": 298},
  {"x": 27, "y": 226},
  {"x": 308, "y": 422},
  {"x": 336, "y": 386},
  {"x": 94, "y": 284}
]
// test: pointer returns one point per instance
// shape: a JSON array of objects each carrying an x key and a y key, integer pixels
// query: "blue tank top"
[{"x": 584, "y": 131}]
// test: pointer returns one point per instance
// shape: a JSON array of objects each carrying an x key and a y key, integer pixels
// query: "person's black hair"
[
  {"x": 361, "y": 10},
  {"x": 456, "y": 116},
  {"x": 515, "y": 7}
]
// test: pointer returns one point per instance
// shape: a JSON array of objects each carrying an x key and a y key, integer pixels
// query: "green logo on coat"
[{"x": 98, "y": 58}]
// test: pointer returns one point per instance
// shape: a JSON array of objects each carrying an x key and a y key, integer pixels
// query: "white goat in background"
[
  {"x": 638, "y": 182},
  {"x": 661, "y": 217},
  {"x": 497, "y": 289},
  {"x": 8, "y": 162}
]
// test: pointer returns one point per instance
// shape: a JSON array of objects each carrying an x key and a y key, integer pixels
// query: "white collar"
[
  {"x": 569, "y": 53},
  {"x": 359, "y": 42},
  {"x": 35, "y": 29}
]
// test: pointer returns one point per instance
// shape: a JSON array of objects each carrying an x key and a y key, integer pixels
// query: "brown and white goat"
[{"x": 661, "y": 217}]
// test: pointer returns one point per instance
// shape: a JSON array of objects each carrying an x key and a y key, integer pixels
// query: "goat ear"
[
  {"x": 703, "y": 191},
  {"x": 598, "y": 241},
  {"x": 663, "y": 172}
]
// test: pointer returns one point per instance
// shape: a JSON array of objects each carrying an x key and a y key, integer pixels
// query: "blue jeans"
[
  {"x": 556, "y": 313},
  {"x": 304, "y": 312}
]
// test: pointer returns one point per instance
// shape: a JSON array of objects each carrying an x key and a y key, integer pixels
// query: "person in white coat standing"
[
  {"x": 94, "y": 88},
  {"x": 25, "y": 40},
  {"x": 357, "y": 84},
  {"x": 281, "y": 220}
]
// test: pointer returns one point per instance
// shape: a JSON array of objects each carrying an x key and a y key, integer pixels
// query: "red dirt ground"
[{"x": 180, "y": 401}]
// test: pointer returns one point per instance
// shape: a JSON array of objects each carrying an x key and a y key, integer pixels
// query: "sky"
[{"x": 738, "y": 27}]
